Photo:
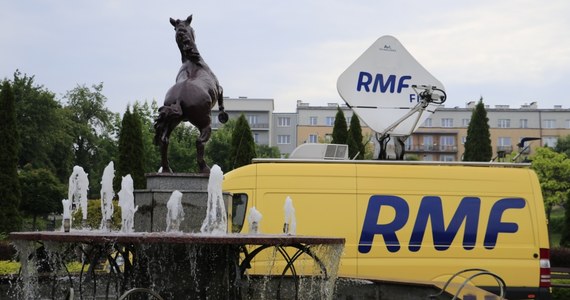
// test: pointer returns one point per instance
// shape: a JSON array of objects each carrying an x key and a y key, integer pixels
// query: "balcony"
[
  {"x": 432, "y": 148},
  {"x": 506, "y": 149},
  {"x": 259, "y": 126}
]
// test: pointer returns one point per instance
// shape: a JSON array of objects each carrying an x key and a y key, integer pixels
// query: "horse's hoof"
[
  {"x": 205, "y": 170},
  {"x": 165, "y": 170},
  {"x": 223, "y": 117}
]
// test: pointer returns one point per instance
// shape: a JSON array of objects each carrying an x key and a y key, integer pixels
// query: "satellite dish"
[{"x": 384, "y": 88}]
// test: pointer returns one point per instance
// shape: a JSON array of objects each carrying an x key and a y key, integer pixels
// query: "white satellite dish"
[{"x": 383, "y": 87}]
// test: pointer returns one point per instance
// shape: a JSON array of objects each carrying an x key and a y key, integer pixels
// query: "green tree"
[
  {"x": 553, "y": 171},
  {"x": 93, "y": 130},
  {"x": 218, "y": 149},
  {"x": 340, "y": 130},
  {"x": 243, "y": 146},
  {"x": 265, "y": 151},
  {"x": 354, "y": 141},
  {"x": 41, "y": 193},
  {"x": 131, "y": 151},
  {"x": 147, "y": 114},
  {"x": 182, "y": 148},
  {"x": 43, "y": 128},
  {"x": 478, "y": 142},
  {"x": 10, "y": 193},
  {"x": 563, "y": 145}
]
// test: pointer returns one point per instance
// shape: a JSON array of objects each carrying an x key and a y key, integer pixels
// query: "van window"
[{"x": 239, "y": 204}]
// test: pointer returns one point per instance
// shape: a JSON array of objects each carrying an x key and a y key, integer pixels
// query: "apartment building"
[
  {"x": 258, "y": 112},
  {"x": 440, "y": 138}
]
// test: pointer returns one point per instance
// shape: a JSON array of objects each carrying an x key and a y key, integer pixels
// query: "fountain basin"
[{"x": 173, "y": 264}]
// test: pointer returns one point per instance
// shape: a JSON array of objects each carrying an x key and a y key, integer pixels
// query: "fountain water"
[
  {"x": 127, "y": 204},
  {"x": 66, "y": 214},
  {"x": 107, "y": 195},
  {"x": 216, "y": 221},
  {"x": 175, "y": 213},
  {"x": 77, "y": 190},
  {"x": 290, "y": 224},
  {"x": 254, "y": 220}
]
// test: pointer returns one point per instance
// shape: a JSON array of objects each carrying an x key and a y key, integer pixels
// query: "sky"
[{"x": 510, "y": 52}]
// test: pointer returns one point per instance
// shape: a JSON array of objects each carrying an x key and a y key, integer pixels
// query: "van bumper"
[{"x": 514, "y": 293}]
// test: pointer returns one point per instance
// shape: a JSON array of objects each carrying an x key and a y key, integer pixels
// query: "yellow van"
[{"x": 409, "y": 221}]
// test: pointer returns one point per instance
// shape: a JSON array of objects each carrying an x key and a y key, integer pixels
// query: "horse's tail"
[{"x": 166, "y": 116}]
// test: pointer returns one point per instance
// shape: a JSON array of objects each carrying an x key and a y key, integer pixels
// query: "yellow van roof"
[{"x": 395, "y": 162}]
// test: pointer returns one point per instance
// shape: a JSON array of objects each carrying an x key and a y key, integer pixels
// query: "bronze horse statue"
[{"x": 190, "y": 99}]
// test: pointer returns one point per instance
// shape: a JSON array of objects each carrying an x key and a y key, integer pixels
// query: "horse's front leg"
[
  {"x": 222, "y": 115},
  {"x": 164, "y": 141},
  {"x": 165, "y": 166},
  {"x": 205, "y": 134}
]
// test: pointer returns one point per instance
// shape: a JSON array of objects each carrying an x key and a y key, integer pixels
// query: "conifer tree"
[
  {"x": 243, "y": 146},
  {"x": 340, "y": 130},
  {"x": 131, "y": 151},
  {"x": 478, "y": 142},
  {"x": 10, "y": 193},
  {"x": 354, "y": 140}
]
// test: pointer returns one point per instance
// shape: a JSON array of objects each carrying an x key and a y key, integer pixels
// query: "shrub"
[
  {"x": 560, "y": 257},
  {"x": 7, "y": 251},
  {"x": 94, "y": 215}
]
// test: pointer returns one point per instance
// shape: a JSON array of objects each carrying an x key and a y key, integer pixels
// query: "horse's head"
[{"x": 185, "y": 39}]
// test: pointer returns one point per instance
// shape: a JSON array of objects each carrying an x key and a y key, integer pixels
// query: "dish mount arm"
[{"x": 428, "y": 94}]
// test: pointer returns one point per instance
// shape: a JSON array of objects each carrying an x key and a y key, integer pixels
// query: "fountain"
[
  {"x": 205, "y": 263},
  {"x": 77, "y": 191},
  {"x": 127, "y": 204},
  {"x": 254, "y": 220},
  {"x": 216, "y": 221},
  {"x": 290, "y": 224},
  {"x": 175, "y": 213},
  {"x": 107, "y": 195}
]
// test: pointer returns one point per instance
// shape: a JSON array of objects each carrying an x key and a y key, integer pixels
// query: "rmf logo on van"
[{"x": 431, "y": 208}]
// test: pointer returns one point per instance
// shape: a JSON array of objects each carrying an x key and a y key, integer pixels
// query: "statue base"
[{"x": 151, "y": 213}]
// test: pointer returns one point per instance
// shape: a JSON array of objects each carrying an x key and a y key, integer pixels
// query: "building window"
[
  {"x": 256, "y": 138},
  {"x": 329, "y": 121},
  {"x": 504, "y": 144},
  {"x": 313, "y": 138},
  {"x": 447, "y": 142},
  {"x": 524, "y": 123},
  {"x": 284, "y": 122},
  {"x": 550, "y": 141},
  {"x": 427, "y": 143},
  {"x": 283, "y": 139},
  {"x": 504, "y": 141},
  {"x": 447, "y": 122},
  {"x": 428, "y": 122},
  {"x": 465, "y": 122},
  {"x": 252, "y": 119},
  {"x": 549, "y": 123},
  {"x": 408, "y": 144},
  {"x": 463, "y": 139},
  {"x": 427, "y": 157},
  {"x": 567, "y": 124},
  {"x": 446, "y": 157},
  {"x": 312, "y": 120},
  {"x": 504, "y": 123}
]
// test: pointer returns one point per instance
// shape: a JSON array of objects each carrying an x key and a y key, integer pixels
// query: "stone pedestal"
[{"x": 152, "y": 210}]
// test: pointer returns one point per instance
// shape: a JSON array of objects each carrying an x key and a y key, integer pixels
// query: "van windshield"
[{"x": 239, "y": 204}]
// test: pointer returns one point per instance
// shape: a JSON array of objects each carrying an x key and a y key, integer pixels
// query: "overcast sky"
[{"x": 507, "y": 51}]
